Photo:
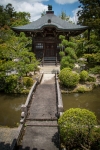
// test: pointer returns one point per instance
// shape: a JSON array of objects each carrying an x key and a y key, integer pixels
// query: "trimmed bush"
[
  {"x": 68, "y": 77},
  {"x": 76, "y": 128},
  {"x": 66, "y": 61},
  {"x": 61, "y": 53},
  {"x": 27, "y": 81},
  {"x": 84, "y": 75},
  {"x": 11, "y": 84}
]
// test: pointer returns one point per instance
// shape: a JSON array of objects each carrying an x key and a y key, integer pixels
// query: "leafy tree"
[
  {"x": 15, "y": 55},
  {"x": 9, "y": 17},
  {"x": 21, "y": 18},
  {"x": 43, "y": 13},
  {"x": 77, "y": 128},
  {"x": 25, "y": 60},
  {"x": 63, "y": 16},
  {"x": 89, "y": 14},
  {"x": 67, "y": 53},
  {"x": 7, "y": 14}
]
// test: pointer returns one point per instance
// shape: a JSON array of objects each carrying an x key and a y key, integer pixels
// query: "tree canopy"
[
  {"x": 16, "y": 58},
  {"x": 89, "y": 13},
  {"x": 9, "y": 17},
  {"x": 64, "y": 16}
]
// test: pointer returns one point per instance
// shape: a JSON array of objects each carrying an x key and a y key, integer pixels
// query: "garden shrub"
[
  {"x": 82, "y": 89},
  {"x": 66, "y": 61},
  {"x": 77, "y": 127},
  {"x": 96, "y": 139},
  {"x": 84, "y": 75},
  {"x": 61, "y": 53},
  {"x": 68, "y": 77},
  {"x": 25, "y": 91},
  {"x": 95, "y": 70},
  {"x": 91, "y": 79},
  {"x": 11, "y": 84},
  {"x": 27, "y": 81}
]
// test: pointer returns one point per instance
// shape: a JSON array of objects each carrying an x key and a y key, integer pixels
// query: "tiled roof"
[{"x": 50, "y": 20}]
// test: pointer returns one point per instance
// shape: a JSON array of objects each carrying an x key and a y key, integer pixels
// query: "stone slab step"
[
  {"x": 43, "y": 119},
  {"x": 42, "y": 123}
]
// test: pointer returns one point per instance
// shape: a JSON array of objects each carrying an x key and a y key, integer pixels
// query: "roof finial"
[{"x": 49, "y": 7}]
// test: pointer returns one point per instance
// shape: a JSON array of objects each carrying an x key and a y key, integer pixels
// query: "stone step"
[
  {"x": 43, "y": 119},
  {"x": 42, "y": 123},
  {"x": 49, "y": 58}
]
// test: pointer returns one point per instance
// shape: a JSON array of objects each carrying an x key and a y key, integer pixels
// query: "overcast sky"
[{"x": 36, "y": 7}]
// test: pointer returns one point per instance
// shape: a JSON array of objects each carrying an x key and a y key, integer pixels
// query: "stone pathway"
[
  {"x": 50, "y": 69},
  {"x": 41, "y": 132}
]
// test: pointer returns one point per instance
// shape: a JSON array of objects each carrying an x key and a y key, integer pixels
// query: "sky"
[{"x": 36, "y": 7}]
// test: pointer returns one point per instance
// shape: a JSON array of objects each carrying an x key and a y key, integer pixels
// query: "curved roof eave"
[
  {"x": 51, "y": 25},
  {"x": 54, "y": 21}
]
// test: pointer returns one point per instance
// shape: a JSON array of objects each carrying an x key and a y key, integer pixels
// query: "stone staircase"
[
  {"x": 50, "y": 69},
  {"x": 50, "y": 61}
]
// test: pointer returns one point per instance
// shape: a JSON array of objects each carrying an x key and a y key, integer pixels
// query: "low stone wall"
[
  {"x": 59, "y": 97},
  {"x": 24, "y": 109}
]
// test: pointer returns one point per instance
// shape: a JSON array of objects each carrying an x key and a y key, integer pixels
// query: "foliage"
[
  {"x": 68, "y": 77},
  {"x": 67, "y": 53},
  {"x": 15, "y": 50},
  {"x": 6, "y": 14},
  {"x": 11, "y": 84},
  {"x": 93, "y": 58},
  {"x": 25, "y": 91},
  {"x": 61, "y": 53},
  {"x": 15, "y": 56},
  {"x": 91, "y": 79},
  {"x": 76, "y": 128},
  {"x": 95, "y": 70},
  {"x": 63, "y": 16},
  {"x": 89, "y": 14},
  {"x": 66, "y": 62},
  {"x": 96, "y": 139},
  {"x": 27, "y": 81},
  {"x": 82, "y": 89},
  {"x": 84, "y": 75},
  {"x": 9, "y": 17},
  {"x": 43, "y": 13}
]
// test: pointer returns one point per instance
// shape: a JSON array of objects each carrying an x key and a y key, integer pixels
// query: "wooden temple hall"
[{"x": 45, "y": 34}]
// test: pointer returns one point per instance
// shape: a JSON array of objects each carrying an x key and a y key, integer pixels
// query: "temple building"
[{"x": 45, "y": 34}]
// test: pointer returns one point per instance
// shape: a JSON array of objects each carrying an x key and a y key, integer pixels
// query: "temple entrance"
[{"x": 50, "y": 50}]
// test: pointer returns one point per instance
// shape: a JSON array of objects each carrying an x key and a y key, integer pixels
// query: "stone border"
[
  {"x": 59, "y": 98},
  {"x": 24, "y": 107}
]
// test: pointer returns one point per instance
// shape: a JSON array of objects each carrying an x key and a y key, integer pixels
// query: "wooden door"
[{"x": 50, "y": 50}]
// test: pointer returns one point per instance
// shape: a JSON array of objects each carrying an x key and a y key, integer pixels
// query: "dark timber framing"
[{"x": 45, "y": 34}]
